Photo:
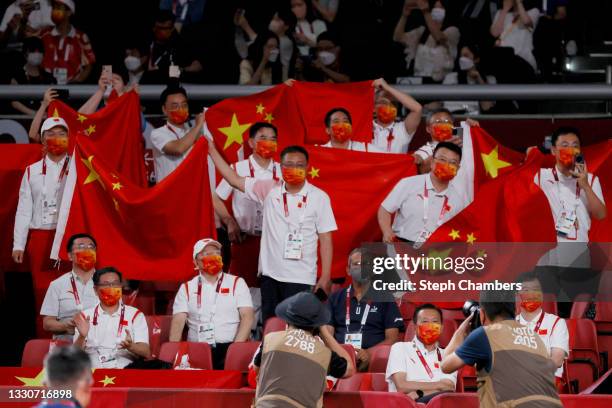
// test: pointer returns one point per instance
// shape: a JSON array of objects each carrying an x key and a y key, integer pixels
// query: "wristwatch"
[{"x": 420, "y": 393}]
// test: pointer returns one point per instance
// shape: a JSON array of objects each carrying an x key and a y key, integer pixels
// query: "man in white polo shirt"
[
  {"x": 112, "y": 333},
  {"x": 72, "y": 292},
  {"x": 339, "y": 127},
  {"x": 426, "y": 201},
  {"x": 172, "y": 142},
  {"x": 551, "y": 328},
  {"x": 297, "y": 217},
  {"x": 391, "y": 136},
  {"x": 248, "y": 214},
  {"x": 414, "y": 367},
  {"x": 216, "y": 306}
]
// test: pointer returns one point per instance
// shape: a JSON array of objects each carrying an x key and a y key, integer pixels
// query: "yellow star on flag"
[
  {"x": 493, "y": 163},
  {"x": 269, "y": 118},
  {"x": 93, "y": 174},
  {"x": 81, "y": 118},
  {"x": 117, "y": 186},
  {"x": 260, "y": 108},
  {"x": 314, "y": 172},
  {"x": 481, "y": 253},
  {"x": 470, "y": 238},
  {"x": 33, "y": 382},
  {"x": 435, "y": 254},
  {"x": 55, "y": 113},
  {"x": 91, "y": 129},
  {"x": 454, "y": 234},
  {"x": 234, "y": 132},
  {"x": 107, "y": 380}
]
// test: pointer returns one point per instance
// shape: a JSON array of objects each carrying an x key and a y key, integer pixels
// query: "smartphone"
[
  {"x": 580, "y": 159},
  {"x": 174, "y": 71},
  {"x": 321, "y": 295},
  {"x": 458, "y": 131},
  {"x": 62, "y": 94},
  {"x": 107, "y": 72}
]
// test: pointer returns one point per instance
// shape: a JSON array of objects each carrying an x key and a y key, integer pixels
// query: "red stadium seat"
[
  {"x": 448, "y": 329},
  {"x": 159, "y": 332},
  {"x": 467, "y": 376},
  {"x": 351, "y": 352},
  {"x": 240, "y": 354},
  {"x": 603, "y": 324},
  {"x": 582, "y": 366},
  {"x": 406, "y": 308},
  {"x": 454, "y": 400},
  {"x": 144, "y": 303},
  {"x": 352, "y": 383},
  {"x": 199, "y": 353},
  {"x": 586, "y": 401},
  {"x": 274, "y": 324},
  {"x": 453, "y": 314},
  {"x": 379, "y": 383},
  {"x": 378, "y": 358},
  {"x": 36, "y": 350},
  {"x": 368, "y": 399}
]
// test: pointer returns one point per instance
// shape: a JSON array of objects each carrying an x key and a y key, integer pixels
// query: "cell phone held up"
[
  {"x": 62, "y": 94},
  {"x": 321, "y": 295}
]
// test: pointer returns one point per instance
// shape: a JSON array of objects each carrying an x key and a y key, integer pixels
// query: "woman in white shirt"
[
  {"x": 262, "y": 65},
  {"x": 308, "y": 27}
]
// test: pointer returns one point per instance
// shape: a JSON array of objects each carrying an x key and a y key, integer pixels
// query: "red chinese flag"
[
  {"x": 15, "y": 159},
  {"x": 316, "y": 99},
  {"x": 229, "y": 120},
  {"x": 357, "y": 183},
  {"x": 115, "y": 132},
  {"x": 147, "y": 233}
]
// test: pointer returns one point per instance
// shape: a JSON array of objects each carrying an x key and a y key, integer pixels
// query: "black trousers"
[
  {"x": 218, "y": 355},
  {"x": 273, "y": 292}
]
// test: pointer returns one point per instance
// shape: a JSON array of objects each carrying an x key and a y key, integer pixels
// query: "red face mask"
[
  {"x": 386, "y": 113},
  {"x": 266, "y": 148},
  {"x": 109, "y": 296},
  {"x": 57, "y": 145},
  {"x": 58, "y": 16},
  {"x": 531, "y": 301},
  {"x": 212, "y": 264},
  {"x": 342, "y": 131},
  {"x": 429, "y": 333},
  {"x": 85, "y": 259},
  {"x": 567, "y": 155},
  {"x": 294, "y": 175},
  {"x": 444, "y": 171},
  {"x": 441, "y": 132},
  {"x": 179, "y": 116}
]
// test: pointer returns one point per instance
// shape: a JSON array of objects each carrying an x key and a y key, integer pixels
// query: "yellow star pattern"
[
  {"x": 493, "y": 163},
  {"x": 260, "y": 108},
  {"x": 454, "y": 234},
  {"x": 314, "y": 172},
  {"x": 481, "y": 253},
  {"x": 269, "y": 118},
  {"x": 470, "y": 238},
  {"x": 117, "y": 186},
  {"x": 55, "y": 113},
  {"x": 93, "y": 174},
  {"x": 442, "y": 254},
  {"x": 81, "y": 118},
  {"x": 234, "y": 132},
  {"x": 33, "y": 382},
  {"x": 107, "y": 380},
  {"x": 91, "y": 129}
]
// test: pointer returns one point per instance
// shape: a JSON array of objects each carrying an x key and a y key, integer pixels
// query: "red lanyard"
[
  {"x": 556, "y": 176},
  {"x": 303, "y": 204},
  {"x": 390, "y": 138},
  {"x": 443, "y": 210},
  {"x": 63, "y": 172},
  {"x": 425, "y": 365},
  {"x": 252, "y": 171},
  {"x": 173, "y": 131},
  {"x": 539, "y": 323},
  {"x": 120, "y": 328},
  {"x": 219, "y": 281},
  {"x": 75, "y": 292}
]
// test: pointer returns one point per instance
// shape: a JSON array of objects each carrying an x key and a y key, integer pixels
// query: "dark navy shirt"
[{"x": 476, "y": 349}]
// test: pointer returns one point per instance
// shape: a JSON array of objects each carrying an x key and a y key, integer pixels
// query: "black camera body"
[{"x": 472, "y": 307}]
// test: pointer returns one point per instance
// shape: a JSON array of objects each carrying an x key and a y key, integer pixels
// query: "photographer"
[{"x": 512, "y": 362}]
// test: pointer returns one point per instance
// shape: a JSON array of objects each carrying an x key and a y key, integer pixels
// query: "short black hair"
[
  {"x": 288, "y": 17},
  {"x": 255, "y": 127},
  {"x": 329, "y": 114},
  {"x": 74, "y": 237},
  {"x": 66, "y": 365},
  {"x": 109, "y": 269},
  {"x": 329, "y": 36},
  {"x": 565, "y": 130},
  {"x": 294, "y": 149},
  {"x": 439, "y": 110},
  {"x": 171, "y": 90},
  {"x": 31, "y": 44},
  {"x": 498, "y": 303},
  {"x": 161, "y": 16},
  {"x": 426, "y": 306},
  {"x": 448, "y": 145},
  {"x": 528, "y": 277}
]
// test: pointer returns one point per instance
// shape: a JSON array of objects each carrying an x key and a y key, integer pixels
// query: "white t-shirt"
[
  {"x": 221, "y": 308},
  {"x": 552, "y": 331},
  {"x": 358, "y": 147},
  {"x": 408, "y": 199},
  {"x": 518, "y": 36},
  {"x": 165, "y": 163},
  {"x": 400, "y": 141},
  {"x": 431, "y": 59},
  {"x": 311, "y": 207},
  {"x": 103, "y": 341},
  {"x": 403, "y": 358},
  {"x": 311, "y": 31}
]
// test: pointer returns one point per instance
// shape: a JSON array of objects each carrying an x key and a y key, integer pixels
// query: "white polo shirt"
[
  {"x": 36, "y": 189},
  {"x": 312, "y": 206},
  {"x": 103, "y": 339},
  {"x": 359, "y": 147},
  {"x": 165, "y": 163},
  {"x": 561, "y": 196},
  {"x": 552, "y": 331},
  {"x": 403, "y": 358},
  {"x": 61, "y": 302},
  {"x": 401, "y": 137},
  {"x": 219, "y": 307},
  {"x": 408, "y": 199},
  {"x": 248, "y": 213}
]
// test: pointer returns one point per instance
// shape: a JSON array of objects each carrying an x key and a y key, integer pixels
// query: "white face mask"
[
  {"x": 131, "y": 63},
  {"x": 273, "y": 55},
  {"x": 327, "y": 58},
  {"x": 466, "y": 63},
  {"x": 35, "y": 58},
  {"x": 438, "y": 14},
  {"x": 275, "y": 26}
]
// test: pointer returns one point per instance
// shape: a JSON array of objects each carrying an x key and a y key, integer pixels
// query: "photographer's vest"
[
  {"x": 522, "y": 374},
  {"x": 293, "y": 368}
]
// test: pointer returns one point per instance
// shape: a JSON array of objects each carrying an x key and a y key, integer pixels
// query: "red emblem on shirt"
[
  {"x": 436, "y": 365},
  {"x": 224, "y": 291},
  {"x": 124, "y": 323},
  {"x": 543, "y": 331}
]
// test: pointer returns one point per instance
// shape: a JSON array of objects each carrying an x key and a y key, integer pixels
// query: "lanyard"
[
  {"x": 424, "y": 362},
  {"x": 63, "y": 172},
  {"x": 390, "y": 138},
  {"x": 252, "y": 171},
  {"x": 173, "y": 132},
  {"x": 120, "y": 328},
  {"x": 75, "y": 292},
  {"x": 347, "y": 319},
  {"x": 60, "y": 46},
  {"x": 303, "y": 204},
  {"x": 556, "y": 176},
  {"x": 539, "y": 323},
  {"x": 443, "y": 210},
  {"x": 217, "y": 290}
]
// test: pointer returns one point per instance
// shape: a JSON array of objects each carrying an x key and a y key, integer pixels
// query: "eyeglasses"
[
  {"x": 264, "y": 137},
  {"x": 566, "y": 144},
  {"x": 177, "y": 106},
  {"x": 445, "y": 160},
  {"x": 59, "y": 133},
  {"x": 114, "y": 284},
  {"x": 85, "y": 246},
  {"x": 294, "y": 165},
  {"x": 442, "y": 121}
]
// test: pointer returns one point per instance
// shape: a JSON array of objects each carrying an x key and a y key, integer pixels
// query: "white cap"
[
  {"x": 67, "y": 3},
  {"x": 203, "y": 243},
  {"x": 52, "y": 122}
]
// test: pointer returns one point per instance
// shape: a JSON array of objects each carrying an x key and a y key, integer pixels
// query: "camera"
[
  {"x": 472, "y": 307},
  {"x": 579, "y": 159}
]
